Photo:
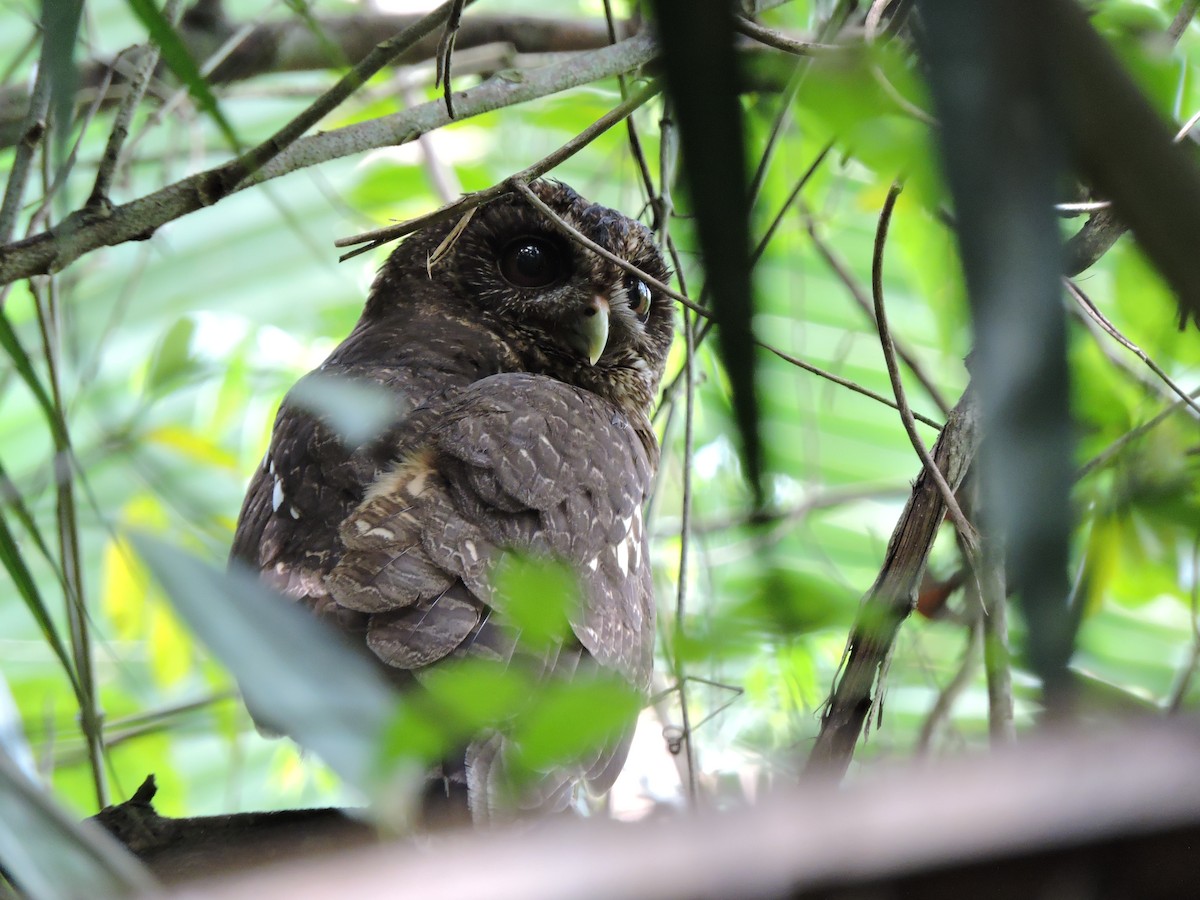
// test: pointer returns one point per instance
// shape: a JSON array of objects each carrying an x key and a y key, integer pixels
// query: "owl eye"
[
  {"x": 639, "y": 297},
  {"x": 531, "y": 262}
]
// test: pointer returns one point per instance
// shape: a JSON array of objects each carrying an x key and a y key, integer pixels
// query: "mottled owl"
[{"x": 522, "y": 367}]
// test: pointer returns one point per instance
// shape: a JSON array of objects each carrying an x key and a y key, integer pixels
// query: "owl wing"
[
  {"x": 514, "y": 462},
  {"x": 308, "y": 482}
]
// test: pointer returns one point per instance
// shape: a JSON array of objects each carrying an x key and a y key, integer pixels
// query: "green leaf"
[
  {"x": 171, "y": 358},
  {"x": 702, "y": 80},
  {"x": 50, "y": 855},
  {"x": 538, "y": 596},
  {"x": 567, "y": 719},
  {"x": 24, "y": 366},
  {"x": 175, "y": 54},
  {"x": 474, "y": 695},
  {"x": 18, "y": 571},
  {"x": 296, "y": 677},
  {"x": 60, "y": 25}
]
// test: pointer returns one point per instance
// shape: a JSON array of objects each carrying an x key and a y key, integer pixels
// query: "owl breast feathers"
[{"x": 521, "y": 368}]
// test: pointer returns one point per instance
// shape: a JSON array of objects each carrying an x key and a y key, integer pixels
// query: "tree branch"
[
  {"x": 891, "y": 597},
  {"x": 293, "y": 46},
  {"x": 1118, "y": 811},
  {"x": 82, "y": 232}
]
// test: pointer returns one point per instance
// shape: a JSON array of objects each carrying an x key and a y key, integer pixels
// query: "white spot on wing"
[
  {"x": 593, "y": 563},
  {"x": 277, "y": 495},
  {"x": 293, "y": 512},
  {"x": 622, "y": 551}
]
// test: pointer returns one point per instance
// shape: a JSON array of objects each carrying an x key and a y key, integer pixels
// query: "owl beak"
[{"x": 590, "y": 335}]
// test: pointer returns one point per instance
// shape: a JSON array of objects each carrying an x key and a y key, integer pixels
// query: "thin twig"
[
  {"x": 780, "y": 41},
  {"x": 848, "y": 384},
  {"x": 42, "y": 212},
  {"x": 949, "y": 694},
  {"x": 792, "y": 196},
  {"x": 965, "y": 528},
  {"x": 75, "y": 603},
  {"x": 445, "y": 51},
  {"x": 370, "y": 240},
  {"x": 1100, "y": 319},
  {"x": 635, "y": 144},
  {"x": 32, "y": 131},
  {"x": 135, "y": 91},
  {"x": 1105, "y": 456},
  {"x": 830, "y": 29},
  {"x": 686, "y": 516},
  {"x": 1182, "y": 18},
  {"x": 846, "y": 277}
]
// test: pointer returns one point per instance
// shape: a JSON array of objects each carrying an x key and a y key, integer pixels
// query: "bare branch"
[
  {"x": 371, "y": 240},
  {"x": 891, "y": 597},
  {"x": 32, "y": 130},
  {"x": 292, "y": 45},
  {"x": 82, "y": 232},
  {"x": 965, "y": 528},
  {"x": 781, "y": 41},
  {"x": 1121, "y": 808}
]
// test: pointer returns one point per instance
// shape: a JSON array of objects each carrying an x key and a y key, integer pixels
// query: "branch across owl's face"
[{"x": 583, "y": 318}]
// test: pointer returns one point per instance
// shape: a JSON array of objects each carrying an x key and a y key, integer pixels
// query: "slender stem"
[
  {"x": 965, "y": 528},
  {"x": 32, "y": 131},
  {"x": 1105, "y": 456},
  {"x": 68, "y": 544},
  {"x": 684, "y": 544},
  {"x": 136, "y": 90},
  {"x": 1188, "y": 673},
  {"x": 369, "y": 240},
  {"x": 1112, "y": 331},
  {"x": 992, "y": 597},
  {"x": 944, "y": 704},
  {"x": 842, "y": 271}
]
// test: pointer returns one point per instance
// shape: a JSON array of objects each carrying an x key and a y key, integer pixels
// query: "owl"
[{"x": 521, "y": 368}]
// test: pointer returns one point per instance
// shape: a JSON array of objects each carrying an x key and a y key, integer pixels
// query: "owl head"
[{"x": 566, "y": 311}]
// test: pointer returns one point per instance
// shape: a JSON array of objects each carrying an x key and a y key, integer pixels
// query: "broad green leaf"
[
  {"x": 567, "y": 719},
  {"x": 538, "y": 596},
  {"x": 296, "y": 677}
]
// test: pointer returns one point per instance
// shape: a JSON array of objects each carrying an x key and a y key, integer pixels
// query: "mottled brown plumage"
[{"x": 522, "y": 368}]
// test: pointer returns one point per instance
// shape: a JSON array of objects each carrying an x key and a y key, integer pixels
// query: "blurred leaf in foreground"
[
  {"x": 50, "y": 855},
  {"x": 294, "y": 674}
]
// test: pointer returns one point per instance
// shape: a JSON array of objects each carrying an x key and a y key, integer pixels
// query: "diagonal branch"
[
  {"x": 80, "y": 233},
  {"x": 891, "y": 597}
]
